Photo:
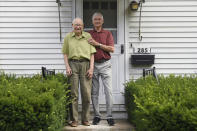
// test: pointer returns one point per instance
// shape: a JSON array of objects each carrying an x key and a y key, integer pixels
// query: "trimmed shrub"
[
  {"x": 170, "y": 105},
  {"x": 33, "y": 104}
]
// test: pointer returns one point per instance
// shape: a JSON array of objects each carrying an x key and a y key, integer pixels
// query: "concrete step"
[
  {"x": 115, "y": 114},
  {"x": 118, "y": 111},
  {"x": 120, "y": 125}
]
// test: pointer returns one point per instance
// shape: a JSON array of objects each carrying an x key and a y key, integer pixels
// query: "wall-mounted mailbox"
[{"x": 142, "y": 59}]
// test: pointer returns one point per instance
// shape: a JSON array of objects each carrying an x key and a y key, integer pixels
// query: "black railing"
[
  {"x": 46, "y": 72},
  {"x": 151, "y": 71}
]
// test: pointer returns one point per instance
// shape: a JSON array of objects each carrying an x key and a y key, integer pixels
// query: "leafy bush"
[
  {"x": 170, "y": 105},
  {"x": 33, "y": 104}
]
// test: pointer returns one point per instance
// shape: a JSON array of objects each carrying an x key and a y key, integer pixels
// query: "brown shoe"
[
  {"x": 74, "y": 124},
  {"x": 86, "y": 123}
]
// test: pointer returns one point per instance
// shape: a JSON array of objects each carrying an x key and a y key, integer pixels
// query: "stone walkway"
[{"x": 121, "y": 125}]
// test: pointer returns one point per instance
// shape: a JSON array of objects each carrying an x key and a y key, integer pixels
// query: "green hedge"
[
  {"x": 33, "y": 104},
  {"x": 170, "y": 105}
]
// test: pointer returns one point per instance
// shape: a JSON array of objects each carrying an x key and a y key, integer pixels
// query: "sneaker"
[
  {"x": 86, "y": 123},
  {"x": 74, "y": 124},
  {"x": 96, "y": 120},
  {"x": 111, "y": 121}
]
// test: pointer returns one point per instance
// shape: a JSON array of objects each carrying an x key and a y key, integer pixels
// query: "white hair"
[
  {"x": 77, "y": 18},
  {"x": 97, "y": 14}
]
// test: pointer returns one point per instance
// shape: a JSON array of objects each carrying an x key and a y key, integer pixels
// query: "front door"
[{"x": 113, "y": 12}]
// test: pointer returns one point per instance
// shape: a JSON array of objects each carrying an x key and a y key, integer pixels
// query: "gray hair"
[
  {"x": 97, "y": 14},
  {"x": 77, "y": 18}
]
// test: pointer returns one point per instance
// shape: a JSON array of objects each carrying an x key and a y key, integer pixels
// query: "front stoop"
[{"x": 120, "y": 125}]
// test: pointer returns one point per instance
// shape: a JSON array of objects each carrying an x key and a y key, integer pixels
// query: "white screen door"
[{"x": 113, "y": 12}]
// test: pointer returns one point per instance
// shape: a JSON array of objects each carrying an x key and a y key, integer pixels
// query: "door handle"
[{"x": 122, "y": 49}]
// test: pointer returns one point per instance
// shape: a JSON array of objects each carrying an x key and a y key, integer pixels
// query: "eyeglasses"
[{"x": 78, "y": 25}]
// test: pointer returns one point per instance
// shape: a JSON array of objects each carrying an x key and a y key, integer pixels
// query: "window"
[{"x": 109, "y": 10}]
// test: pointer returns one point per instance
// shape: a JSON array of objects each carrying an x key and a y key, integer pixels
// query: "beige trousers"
[{"x": 79, "y": 70}]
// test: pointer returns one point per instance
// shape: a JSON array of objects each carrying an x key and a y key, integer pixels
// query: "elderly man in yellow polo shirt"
[{"x": 79, "y": 61}]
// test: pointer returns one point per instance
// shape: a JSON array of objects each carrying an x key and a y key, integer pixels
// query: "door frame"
[{"x": 122, "y": 38}]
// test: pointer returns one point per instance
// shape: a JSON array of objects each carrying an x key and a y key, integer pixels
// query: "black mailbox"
[{"x": 142, "y": 59}]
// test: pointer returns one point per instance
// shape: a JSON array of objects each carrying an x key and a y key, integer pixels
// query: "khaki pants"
[
  {"x": 103, "y": 71},
  {"x": 79, "y": 70}
]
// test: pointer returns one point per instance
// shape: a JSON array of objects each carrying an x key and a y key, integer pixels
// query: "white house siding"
[
  {"x": 29, "y": 35},
  {"x": 169, "y": 27}
]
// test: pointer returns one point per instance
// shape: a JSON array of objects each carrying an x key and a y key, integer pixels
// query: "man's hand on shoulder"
[{"x": 93, "y": 42}]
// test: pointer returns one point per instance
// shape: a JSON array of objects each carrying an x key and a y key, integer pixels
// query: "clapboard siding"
[
  {"x": 34, "y": 25},
  {"x": 169, "y": 28},
  {"x": 6, "y": 56},
  {"x": 29, "y": 35},
  {"x": 43, "y": 29}
]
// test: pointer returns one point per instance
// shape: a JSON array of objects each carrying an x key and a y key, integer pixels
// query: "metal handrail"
[
  {"x": 60, "y": 28},
  {"x": 140, "y": 36}
]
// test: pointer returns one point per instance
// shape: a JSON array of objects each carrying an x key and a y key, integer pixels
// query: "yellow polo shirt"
[{"x": 77, "y": 47}]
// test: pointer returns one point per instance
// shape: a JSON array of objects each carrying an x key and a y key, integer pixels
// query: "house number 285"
[{"x": 142, "y": 50}]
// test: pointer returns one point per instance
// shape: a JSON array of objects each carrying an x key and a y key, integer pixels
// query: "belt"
[
  {"x": 80, "y": 60},
  {"x": 101, "y": 60}
]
